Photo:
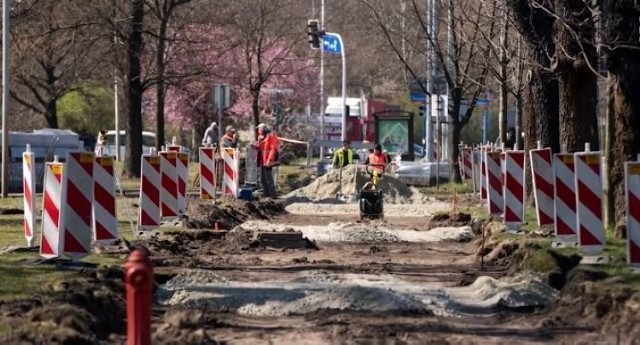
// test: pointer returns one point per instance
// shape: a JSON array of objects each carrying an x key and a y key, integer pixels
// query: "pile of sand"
[{"x": 353, "y": 179}]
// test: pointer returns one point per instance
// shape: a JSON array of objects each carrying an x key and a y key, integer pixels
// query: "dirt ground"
[{"x": 590, "y": 308}]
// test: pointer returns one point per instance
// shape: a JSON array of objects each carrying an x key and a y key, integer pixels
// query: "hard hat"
[
  {"x": 214, "y": 124},
  {"x": 262, "y": 125},
  {"x": 230, "y": 129}
]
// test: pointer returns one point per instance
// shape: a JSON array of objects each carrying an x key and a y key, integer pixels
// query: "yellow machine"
[{"x": 371, "y": 199}]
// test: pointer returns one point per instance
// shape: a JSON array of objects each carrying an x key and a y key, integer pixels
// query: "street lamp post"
[{"x": 6, "y": 46}]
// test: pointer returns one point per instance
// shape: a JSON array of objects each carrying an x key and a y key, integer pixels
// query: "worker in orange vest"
[
  {"x": 268, "y": 158},
  {"x": 377, "y": 160}
]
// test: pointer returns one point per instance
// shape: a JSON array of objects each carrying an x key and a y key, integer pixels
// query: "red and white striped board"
[
  {"x": 514, "y": 188},
  {"x": 467, "y": 168},
  {"x": 231, "y": 163},
  {"x": 495, "y": 199},
  {"x": 475, "y": 171},
  {"x": 105, "y": 220},
  {"x": 207, "y": 173},
  {"x": 566, "y": 221},
  {"x": 149, "y": 204},
  {"x": 183, "y": 172},
  {"x": 174, "y": 148},
  {"x": 51, "y": 202},
  {"x": 76, "y": 221},
  {"x": 28, "y": 192},
  {"x": 169, "y": 185},
  {"x": 588, "y": 181},
  {"x": 483, "y": 173},
  {"x": 543, "y": 185},
  {"x": 632, "y": 197}
]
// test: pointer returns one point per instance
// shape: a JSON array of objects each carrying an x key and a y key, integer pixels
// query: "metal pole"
[
  {"x": 6, "y": 46},
  {"x": 344, "y": 88},
  {"x": 428, "y": 118},
  {"x": 485, "y": 125},
  {"x": 322, "y": 108},
  {"x": 115, "y": 87}
]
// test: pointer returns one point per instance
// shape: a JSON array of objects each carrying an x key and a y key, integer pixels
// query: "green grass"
[{"x": 448, "y": 188}]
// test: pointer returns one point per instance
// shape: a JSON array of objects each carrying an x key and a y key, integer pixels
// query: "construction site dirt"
[{"x": 271, "y": 276}]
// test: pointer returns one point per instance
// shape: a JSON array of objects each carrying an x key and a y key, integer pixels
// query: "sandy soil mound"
[
  {"x": 353, "y": 179},
  {"x": 229, "y": 213}
]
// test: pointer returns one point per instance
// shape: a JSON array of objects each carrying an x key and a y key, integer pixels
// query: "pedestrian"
[
  {"x": 377, "y": 160},
  {"x": 269, "y": 158},
  {"x": 211, "y": 135},
  {"x": 230, "y": 138},
  {"x": 343, "y": 156},
  {"x": 102, "y": 143}
]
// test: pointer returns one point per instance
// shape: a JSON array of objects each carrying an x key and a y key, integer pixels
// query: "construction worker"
[
  {"x": 343, "y": 156},
  {"x": 211, "y": 135},
  {"x": 230, "y": 138},
  {"x": 377, "y": 160},
  {"x": 268, "y": 158}
]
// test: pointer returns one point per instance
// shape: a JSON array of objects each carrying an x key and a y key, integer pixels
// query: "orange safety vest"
[
  {"x": 269, "y": 150},
  {"x": 378, "y": 161}
]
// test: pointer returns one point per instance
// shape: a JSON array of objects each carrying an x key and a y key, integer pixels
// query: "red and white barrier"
[
  {"x": 105, "y": 220},
  {"x": 51, "y": 203},
  {"x": 231, "y": 162},
  {"x": 588, "y": 181},
  {"x": 76, "y": 219},
  {"x": 632, "y": 197},
  {"x": 169, "y": 185},
  {"x": 207, "y": 173},
  {"x": 183, "y": 177},
  {"x": 483, "y": 173},
  {"x": 467, "y": 166},
  {"x": 566, "y": 221},
  {"x": 514, "y": 188},
  {"x": 543, "y": 184},
  {"x": 495, "y": 199},
  {"x": 28, "y": 190},
  {"x": 149, "y": 208}
]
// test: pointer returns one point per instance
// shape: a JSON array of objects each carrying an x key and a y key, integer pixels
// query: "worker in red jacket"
[
  {"x": 377, "y": 160},
  {"x": 268, "y": 146}
]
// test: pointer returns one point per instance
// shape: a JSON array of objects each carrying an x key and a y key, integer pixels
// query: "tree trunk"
[
  {"x": 52, "y": 113},
  {"x": 134, "y": 91},
  {"x": 160, "y": 86},
  {"x": 456, "y": 128},
  {"x": 610, "y": 210},
  {"x": 620, "y": 24},
  {"x": 578, "y": 84},
  {"x": 255, "y": 107},
  {"x": 541, "y": 93},
  {"x": 519, "y": 143}
]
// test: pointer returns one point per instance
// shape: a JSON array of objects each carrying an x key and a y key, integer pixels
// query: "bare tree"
[
  {"x": 458, "y": 62},
  {"x": 621, "y": 41},
  {"x": 134, "y": 88},
  {"x": 52, "y": 42}
]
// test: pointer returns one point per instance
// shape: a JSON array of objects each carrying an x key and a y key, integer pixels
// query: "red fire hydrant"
[{"x": 139, "y": 280}]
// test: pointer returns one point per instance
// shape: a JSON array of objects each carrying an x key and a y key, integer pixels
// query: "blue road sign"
[
  {"x": 482, "y": 102},
  {"x": 418, "y": 97},
  {"x": 331, "y": 44}
]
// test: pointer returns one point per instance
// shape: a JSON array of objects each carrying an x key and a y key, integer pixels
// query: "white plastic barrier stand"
[
  {"x": 543, "y": 185},
  {"x": 588, "y": 180},
  {"x": 51, "y": 202},
  {"x": 632, "y": 197},
  {"x": 169, "y": 185},
  {"x": 76, "y": 222},
  {"x": 207, "y": 173},
  {"x": 28, "y": 192},
  {"x": 566, "y": 221},
  {"x": 495, "y": 199},
  {"x": 105, "y": 219},
  {"x": 231, "y": 163},
  {"x": 514, "y": 197},
  {"x": 149, "y": 209}
]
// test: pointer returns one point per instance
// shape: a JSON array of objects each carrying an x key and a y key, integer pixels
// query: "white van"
[
  {"x": 148, "y": 142},
  {"x": 45, "y": 144}
]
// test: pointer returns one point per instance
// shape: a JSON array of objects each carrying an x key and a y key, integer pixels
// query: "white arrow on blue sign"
[{"x": 331, "y": 44}]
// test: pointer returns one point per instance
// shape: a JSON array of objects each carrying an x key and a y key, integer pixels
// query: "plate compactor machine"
[{"x": 371, "y": 201}]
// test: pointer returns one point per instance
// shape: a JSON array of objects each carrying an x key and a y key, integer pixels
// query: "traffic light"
[
  {"x": 313, "y": 29},
  {"x": 423, "y": 110}
]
